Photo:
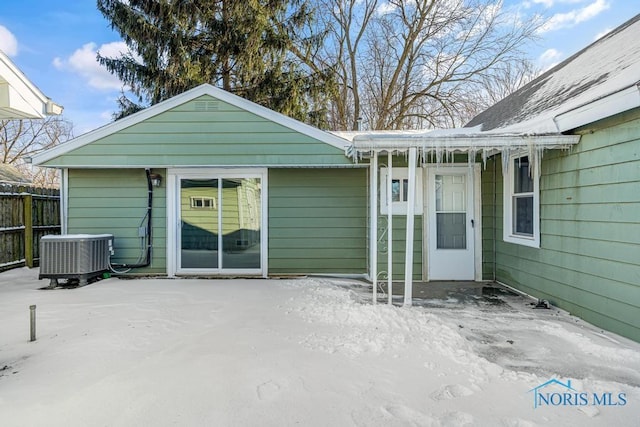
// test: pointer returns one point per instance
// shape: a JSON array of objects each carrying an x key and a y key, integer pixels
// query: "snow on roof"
[
  {"x": 442, "y": 143},
  {"x": 607, "y": 67},
  {"x": 11, "y": 174},
  {"x": 382, "y": 135}
]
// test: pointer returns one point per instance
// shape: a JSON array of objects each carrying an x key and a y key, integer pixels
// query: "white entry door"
[{"x": 451, "y": 223}]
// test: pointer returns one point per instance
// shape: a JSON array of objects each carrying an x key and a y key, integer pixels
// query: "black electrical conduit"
[{"x": 147, "y": 260}]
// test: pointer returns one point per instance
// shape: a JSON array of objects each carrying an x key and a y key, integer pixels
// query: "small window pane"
[
  {"x": 395, "y": 190},
  {"x": 523, "y": 215},
  {"x": 523, "y": 182}
]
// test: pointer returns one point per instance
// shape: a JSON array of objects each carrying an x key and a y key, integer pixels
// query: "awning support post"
[
  {"x": 373, "y": 229},
  {"x": 411, "y": 201},
  {"x": 390, "y": 226}
]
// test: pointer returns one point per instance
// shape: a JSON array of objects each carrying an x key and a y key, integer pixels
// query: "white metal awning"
[
  {"x": 440, "y": 145},
  {"x": 436, "y": 146}
]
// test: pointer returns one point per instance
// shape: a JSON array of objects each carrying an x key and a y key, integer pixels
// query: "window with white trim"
[
  {"x": 521, "y": 202},
  {"x": 399, "y": 190}
]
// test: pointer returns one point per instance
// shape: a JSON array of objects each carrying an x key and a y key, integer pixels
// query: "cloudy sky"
[{"x": 54, "y": 42}]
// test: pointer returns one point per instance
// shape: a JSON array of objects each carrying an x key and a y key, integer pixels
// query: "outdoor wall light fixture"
[{"x": 156, "y": 179}]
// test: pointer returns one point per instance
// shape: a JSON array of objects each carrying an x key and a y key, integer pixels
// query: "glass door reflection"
[
  {"x": 241, "y": 217},
  {"x": 199, "y": 223},
  {"x": 220, "y": 223}
]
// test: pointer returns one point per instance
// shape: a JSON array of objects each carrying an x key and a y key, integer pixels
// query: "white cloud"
[
  {"x": 576, "y": 16},
  {"x": 545, "y": 3},
  {"x": 84, "y": 63},
  {"x": 386, "y": 8},
  {"x": 549, "y": 59},
  {"x": 8, "y": 42},
  {"x": 549, "y": 3},
  {"x": 602, "y": 34},
  {"x": 106, "y": 115}
]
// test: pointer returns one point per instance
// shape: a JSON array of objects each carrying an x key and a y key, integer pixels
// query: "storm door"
[
  {"x": 220, "y": 224},
  {"x": 451, "y": 222}
]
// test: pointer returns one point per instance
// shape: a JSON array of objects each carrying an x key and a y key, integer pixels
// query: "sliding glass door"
[{"x": 220, "y": 224}]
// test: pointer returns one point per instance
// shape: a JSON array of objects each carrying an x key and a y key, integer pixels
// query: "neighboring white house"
[{"x": 19, "y": 98}]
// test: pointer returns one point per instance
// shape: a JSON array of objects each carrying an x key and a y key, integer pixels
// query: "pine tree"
[{"x": 243, "y": 46}]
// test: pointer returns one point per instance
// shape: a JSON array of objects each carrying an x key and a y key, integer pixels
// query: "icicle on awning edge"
[{"x": 445, "y": 147}]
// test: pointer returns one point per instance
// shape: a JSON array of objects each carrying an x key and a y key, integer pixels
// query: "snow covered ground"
[{"x": 306, "y": 352}]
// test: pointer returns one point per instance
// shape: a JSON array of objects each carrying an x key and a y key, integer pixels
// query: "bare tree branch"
[
  {"x": 421, "y": 63},
  {"x": 25, "y": 138}
]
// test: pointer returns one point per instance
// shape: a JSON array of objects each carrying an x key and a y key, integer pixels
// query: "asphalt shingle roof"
[{"x": 610, "y": 64}]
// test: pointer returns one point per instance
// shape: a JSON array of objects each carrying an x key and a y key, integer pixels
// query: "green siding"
[
  {"x": 115, "y": 202},
  {"x": 589, "y": 260},
  {"x": 317, "y": 217},
  {"x": 399, "y": 242},
  {"x": 184, "y": 136},
  {"x": 317, "y": 221},
  {"x": 491, "y": 190}
]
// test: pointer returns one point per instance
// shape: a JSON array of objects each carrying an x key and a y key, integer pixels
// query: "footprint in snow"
[
  {"x": 457, "y": 419},
  {"x": 451, "y": 392},
  {"x": 267, "y": 390},
  {"x": 407, "y": 415}
]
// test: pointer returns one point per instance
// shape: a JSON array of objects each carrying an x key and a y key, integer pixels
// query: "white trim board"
[
  {"x": 259, "y": 166},
  {"x": 64, "y": 201},
  {"x": 607, "y": 106}
]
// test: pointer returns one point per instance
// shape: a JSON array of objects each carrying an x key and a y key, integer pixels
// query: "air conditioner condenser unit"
[{"x": 75, "y": 256}]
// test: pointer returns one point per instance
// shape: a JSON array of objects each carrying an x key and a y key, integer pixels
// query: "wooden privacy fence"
[{"x": 26, "y": 214}]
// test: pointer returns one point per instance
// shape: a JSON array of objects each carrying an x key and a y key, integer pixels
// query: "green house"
[
  {"x": 239, "y": 190},
  {"x": 540, "y": 192}
]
